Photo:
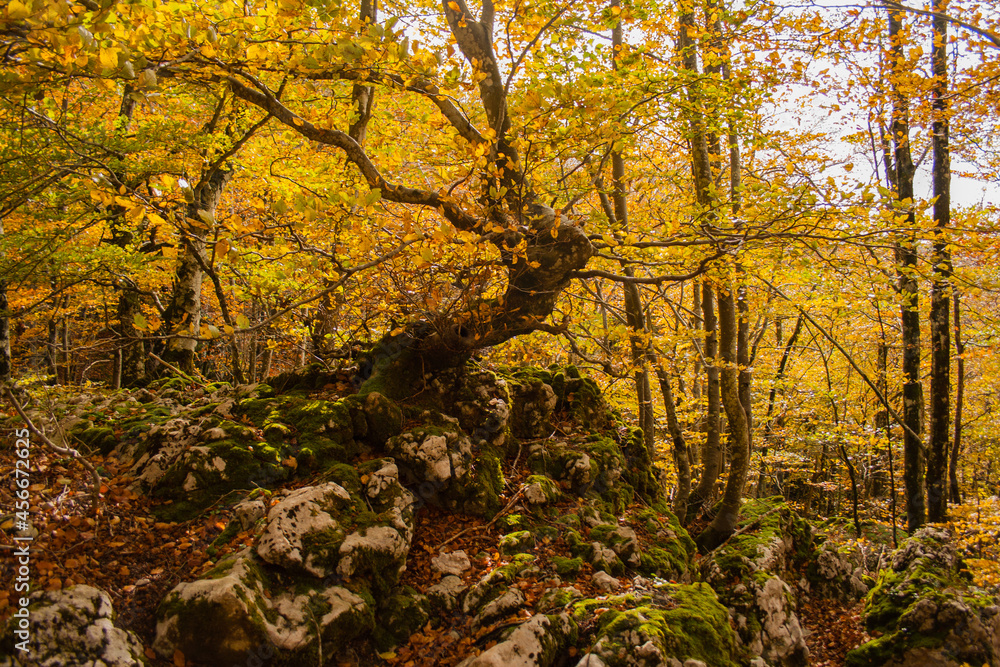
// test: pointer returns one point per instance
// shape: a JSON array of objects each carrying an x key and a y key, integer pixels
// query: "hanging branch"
[{"x": 65, "y": 451}]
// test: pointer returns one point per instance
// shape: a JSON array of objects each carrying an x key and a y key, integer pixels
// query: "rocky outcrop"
[
  {"x": 74, "y": 626},
  {"x": 325, "y": 560},
  {"x": 751, "y": 573},
  {"x": 235, "y": 614},
  {"x": 925, "y": 612},
  {"x": 538, "y": 641},
  {"x": 440, "y": 463},
  {"x": 660, "y": 624}
]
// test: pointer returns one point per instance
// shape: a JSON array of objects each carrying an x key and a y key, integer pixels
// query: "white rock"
[
  {"x": 604, "y": 581},
  {"x": 455, "y": 562},
  {"x": 300, "y": 514},
  {"x": 74, "y": 627},
  {"x": 447, "y": 592},
  {"x": 249, "y": 511},
  {"x": 535, "y": 643},
  {"x": 504, "y": 605}
]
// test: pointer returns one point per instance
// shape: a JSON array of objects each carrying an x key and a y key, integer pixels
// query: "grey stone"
[{"x": 74, "y": 626}]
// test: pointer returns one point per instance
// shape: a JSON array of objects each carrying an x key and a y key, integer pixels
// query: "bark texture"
[
  {"x": 940, "y": 321},
  {"x": 909, "y": 296}
]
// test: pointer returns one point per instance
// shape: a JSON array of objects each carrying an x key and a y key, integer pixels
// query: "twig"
[
  {"x": 487, "y": 526},
  {"x": 65, "y": 451}
]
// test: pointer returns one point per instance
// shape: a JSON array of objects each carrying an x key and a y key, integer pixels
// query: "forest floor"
[{"x": 126, "y": 551}]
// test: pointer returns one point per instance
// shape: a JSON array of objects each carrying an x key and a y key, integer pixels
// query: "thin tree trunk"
[
  {"x": 940, "y": 321},
  {"x": 694, "y": 453},
  {"x": 182, "y": 318},
  {"x": 725, "y": 521},
  {"x": 638, "y": 340},
  {"x": 772, "y": 396},
  {"x": 712, "y": 451},
  {"x": 677, "y": 436},
  {"x": 956, "y": 446},
  {"x": 906, "y": 262},
  {"x": 363, "y": 96},
  {"x": 132, "y": 347},
  {"x": 5, "y": 364}
]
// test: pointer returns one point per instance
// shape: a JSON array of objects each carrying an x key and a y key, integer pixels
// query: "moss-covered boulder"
[
  {"x": 532, "y": 404},
  {"x": 325, "y": 531},
  {"x": 837, "y": 571},
  {"x": 661, "y": 623},
  {"x": 73, "y": 626},
  {"x": 316, "y": 431},
  {"x": 925, "y": 611},
  {"x": 237, "y": 613},
  {"x": 750, "y": 573},
  {"x": 591, "y": 466},
  {"x": 442, "y": 466}
]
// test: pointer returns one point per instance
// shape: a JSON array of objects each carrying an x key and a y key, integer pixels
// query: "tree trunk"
[
  {"x": 906, "y": 262},
  {"x": 940, "y": 320},
  {"x": 712, "y": 451},
  {"x": 677, "y": 436},
  {"x": 182, "y": 318},
  {"x": 771, "y": 397},
  {"x": 5, "y": 365},
  {"x": 725, "y": 521},
  {"x": 956, "y": 447},
  {"x": 131, "y": 346}
]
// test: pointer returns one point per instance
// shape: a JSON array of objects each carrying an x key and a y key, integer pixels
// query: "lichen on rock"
[
  {"x": 73, "y": 626},
  {"x": 926, "y": 611}
]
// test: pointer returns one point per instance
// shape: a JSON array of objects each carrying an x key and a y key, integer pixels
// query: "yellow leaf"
[
  {"x": 17, "y": 10},
  {"x": 109, "y": 58},
  {"x": 454, "y": 5},
  {"x": 134, "y": 215}
]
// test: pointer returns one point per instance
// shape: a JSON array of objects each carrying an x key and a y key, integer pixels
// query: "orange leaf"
[{"x": 179, "y": 660}]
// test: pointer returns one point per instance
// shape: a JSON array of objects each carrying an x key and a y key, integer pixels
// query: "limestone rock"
[
  {"x": 533, "y": 404},
  {"x": 73, "y": 626},
  {"x": 249, "y": 511},
  {"x": 537, "y": 642},
  {"x": 500, "y": 607},
  {"x": 315, "y": 531},
  {"x": 247, "y": 620},
  {"x": 926, "y": 611},
  {"x": 447, "y": 593},
  {"x": 665, "y": 625},
  {"x": 454, "y": 562},
  {"x": 304, "y": 514},
  {"x": 604, "y": 581}
]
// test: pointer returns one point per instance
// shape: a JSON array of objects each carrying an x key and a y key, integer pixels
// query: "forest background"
[{"x": 738, "y": 217}]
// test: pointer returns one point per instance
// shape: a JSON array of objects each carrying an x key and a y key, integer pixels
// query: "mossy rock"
[
  {"x": 926, "y": 610},
  {"x": 567, "y": 567},
  {"x": 516, "y": 543},
  {"x": 240, "y": 612},
  {"x": 297, "y": 422},
  {"x": 683, "y": 622},
  {"x": 399, "y": 616},
  {"x": 100, "y": 439},
  {"x": 776, "y": 538}
]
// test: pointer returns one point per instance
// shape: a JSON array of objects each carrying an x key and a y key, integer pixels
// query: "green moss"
[
  {"x": 398, "y": 617},
  {"x": 697, "y": 627},
  {"x": 97, "y": 439},
  {"x": 514, "y": 543},
  {"x": 567, "y": 567}
]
